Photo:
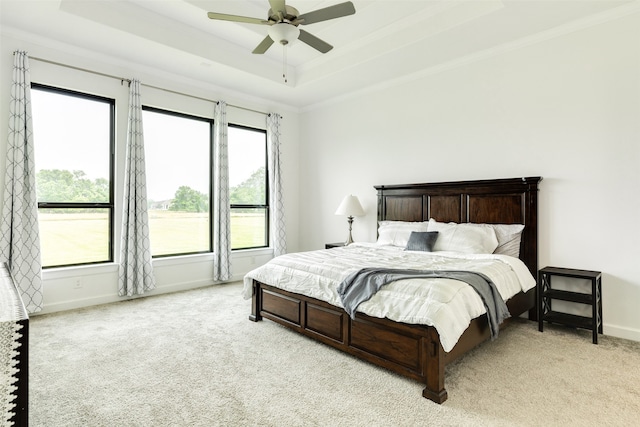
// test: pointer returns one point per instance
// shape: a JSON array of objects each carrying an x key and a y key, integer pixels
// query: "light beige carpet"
[{"x": 194, "y": 359}]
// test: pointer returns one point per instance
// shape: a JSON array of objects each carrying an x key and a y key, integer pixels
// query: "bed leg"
[
  {"x": 435, "y": 390},
  {"x": 438, "y": 397},
  {"x": 255, "y": 303}
]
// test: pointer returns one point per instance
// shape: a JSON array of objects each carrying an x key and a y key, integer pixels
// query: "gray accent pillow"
[{"x": 421, "y": 241}]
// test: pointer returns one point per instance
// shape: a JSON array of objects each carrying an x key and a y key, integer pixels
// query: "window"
[
  {"x": 248, "y": 190},
  {"x": 178, "y": 167},
  {"x": 74, "y": 144}
]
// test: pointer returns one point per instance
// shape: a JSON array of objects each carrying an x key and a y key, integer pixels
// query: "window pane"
[
  {"x": 248, "y": 186},
  {"x": 73, "y": 138},
  {"x": 247, "y": 166},
  {"x": 178, "y": 153},
  {"x": 248, "y": 228},
  {"x": 178, "y": 232},
  {"x": 74, "y": 236}
]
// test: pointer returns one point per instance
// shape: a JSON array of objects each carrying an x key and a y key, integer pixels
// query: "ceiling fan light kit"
[{"x": 284, "y": 33}]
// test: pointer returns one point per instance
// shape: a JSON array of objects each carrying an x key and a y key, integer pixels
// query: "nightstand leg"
[
  {"x": 595, "y": 310},
  {"x": 599, "y": 286},
  {"x": 539, "y": 292}
]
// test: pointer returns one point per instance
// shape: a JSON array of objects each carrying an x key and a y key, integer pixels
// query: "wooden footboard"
[{"x": 413, "y": 351}]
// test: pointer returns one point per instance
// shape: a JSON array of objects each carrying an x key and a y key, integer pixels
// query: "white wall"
[
  {"x": 99, "y": 283},
  {"x": 567, "y": 109}
]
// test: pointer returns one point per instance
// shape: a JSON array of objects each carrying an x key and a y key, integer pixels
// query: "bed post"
[
  {"x": 255, "y": 303},
  {"x": 435, "y": 355}
]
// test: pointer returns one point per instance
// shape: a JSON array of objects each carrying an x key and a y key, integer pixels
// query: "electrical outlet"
[{"x": 77, "y": 284}]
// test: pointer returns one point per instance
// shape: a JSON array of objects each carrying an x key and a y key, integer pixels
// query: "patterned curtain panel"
[
  {"x": 221, "y": 214},
  {"x": 278, "y": 236},
  {"x": 19, "y": 231},
  {"x": 136, "y": 268}
]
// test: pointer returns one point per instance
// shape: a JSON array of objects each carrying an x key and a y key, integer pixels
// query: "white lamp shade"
[
  {"x": 284, "y": 33},
  {"x": 350, "y": 206}
]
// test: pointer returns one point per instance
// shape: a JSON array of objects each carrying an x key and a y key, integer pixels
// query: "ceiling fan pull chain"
[{"x": 284, "y": 62}]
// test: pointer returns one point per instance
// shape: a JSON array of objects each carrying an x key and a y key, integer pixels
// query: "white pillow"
[
  {"x": 508, "y": 235},
  {"x": 465, "y": 238},
  {"x": 397, "y": 233}
]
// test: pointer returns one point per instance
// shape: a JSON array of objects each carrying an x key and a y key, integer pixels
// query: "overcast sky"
[{"x": 73, "y": 133}]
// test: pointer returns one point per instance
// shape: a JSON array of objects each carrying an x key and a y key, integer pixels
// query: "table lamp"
[{"x": 351, "y": 207}]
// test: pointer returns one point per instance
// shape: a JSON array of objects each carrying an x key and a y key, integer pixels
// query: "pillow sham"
[
  {"x": 397, "y": 233},
  {"x": 465, "y": 238},
  {"x": 421, "y": 241},
  {"x": 509, "y": 237}
]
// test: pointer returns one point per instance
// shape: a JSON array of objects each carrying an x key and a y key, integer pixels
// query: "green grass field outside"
[{"x": 70, "y": 238}]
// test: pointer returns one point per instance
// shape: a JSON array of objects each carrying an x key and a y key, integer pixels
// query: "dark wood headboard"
[{"x": 494, "y": 201}]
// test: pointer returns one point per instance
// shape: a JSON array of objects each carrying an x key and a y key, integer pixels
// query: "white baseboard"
[
  {"x": 111, "y": 298},
  {"x": 621, "y": 332}
]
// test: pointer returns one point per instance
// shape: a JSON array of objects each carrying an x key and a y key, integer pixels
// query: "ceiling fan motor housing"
[{"x": 291, "y": 14}]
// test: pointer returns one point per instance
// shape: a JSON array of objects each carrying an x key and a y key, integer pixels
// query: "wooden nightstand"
[
  {"x": 546, "y": 294},
  {"x": 333, "y": 245}
]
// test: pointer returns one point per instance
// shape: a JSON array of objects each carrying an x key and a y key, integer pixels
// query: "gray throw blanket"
[{"x": 361, "y": 285}]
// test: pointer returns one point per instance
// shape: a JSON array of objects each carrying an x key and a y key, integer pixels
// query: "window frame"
[
  {"x": 267, "y": 205},
  {"x": 90, "y": 205},
  {"x": 210, "y": 121}
]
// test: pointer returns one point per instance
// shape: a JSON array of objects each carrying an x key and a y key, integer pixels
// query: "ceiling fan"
[{"x": 283, "y": 21}]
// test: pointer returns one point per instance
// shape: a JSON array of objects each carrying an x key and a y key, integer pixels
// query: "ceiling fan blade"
[
  {"x": 278, "y": 6},
  {"x": 331, "y": 12},
  {"x": 263, "y": 46},
  {"x": 314, "y": 42},
  {"x": 236, "y": 18}
]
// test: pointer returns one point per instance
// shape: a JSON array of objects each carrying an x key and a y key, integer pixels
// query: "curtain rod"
[{"x": 123, "y": 79}]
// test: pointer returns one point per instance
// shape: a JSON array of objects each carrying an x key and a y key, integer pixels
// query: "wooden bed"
[{"x": 415, "y": 351}]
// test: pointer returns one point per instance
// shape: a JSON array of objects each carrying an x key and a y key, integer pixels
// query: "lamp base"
[{"x": 350, "y": 238}]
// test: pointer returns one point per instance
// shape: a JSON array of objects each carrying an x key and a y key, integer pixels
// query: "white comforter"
[{"x": 448, "y": 305}]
